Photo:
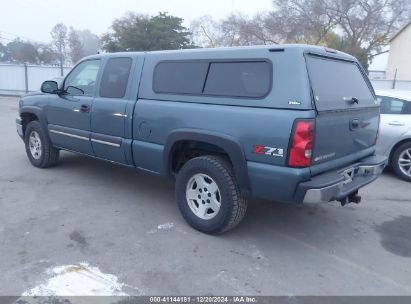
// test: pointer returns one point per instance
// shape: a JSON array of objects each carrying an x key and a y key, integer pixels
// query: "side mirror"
[{"x": 49, "y": 86}]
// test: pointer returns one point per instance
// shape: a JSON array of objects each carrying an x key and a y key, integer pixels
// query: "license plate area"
[{"x": 348, "y": 175}]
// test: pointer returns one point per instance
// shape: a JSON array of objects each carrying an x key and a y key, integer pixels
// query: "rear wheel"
[
  {"x": 401, "y": 161},
  {"x": 208, "y": 195},
  {"x": 39, "y": 149}
]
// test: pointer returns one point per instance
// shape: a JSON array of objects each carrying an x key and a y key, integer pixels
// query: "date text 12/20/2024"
[{"x": 204, "y": 299}]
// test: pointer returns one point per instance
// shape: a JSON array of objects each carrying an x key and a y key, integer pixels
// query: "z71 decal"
[{"x": 268, "y": 151}]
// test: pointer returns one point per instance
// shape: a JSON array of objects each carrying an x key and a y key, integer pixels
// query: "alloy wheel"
[
  {"x": 35, "y": 145},
  {"x": 404, "y": 162},
  {"x": 203, "y": 196}
]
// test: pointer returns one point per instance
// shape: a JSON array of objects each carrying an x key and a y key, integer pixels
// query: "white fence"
[
  {"x": 18, "y": 79},
  {"x": 391, "y": 84}
]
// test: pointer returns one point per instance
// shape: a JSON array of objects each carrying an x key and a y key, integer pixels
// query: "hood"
[{"x": 33, "y": 93}]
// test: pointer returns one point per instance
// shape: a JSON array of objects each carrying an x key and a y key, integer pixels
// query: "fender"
[
  {"x": 36, "y": 111},
  {"x": 228, "y": 143}
]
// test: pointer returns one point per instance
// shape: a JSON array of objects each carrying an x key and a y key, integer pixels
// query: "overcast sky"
[{"x": 33, "y": 19}]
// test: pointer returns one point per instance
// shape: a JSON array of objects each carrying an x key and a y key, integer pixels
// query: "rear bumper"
[
  {"x": 339, "y": 184},
  {"x": 19, "y": 127}
]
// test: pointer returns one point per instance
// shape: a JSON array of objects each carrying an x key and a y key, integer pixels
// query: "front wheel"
[
  {"x": 208, "y": 195},
  {"x": 39, "y": 149},
  {"x": 401, "y": 161}
]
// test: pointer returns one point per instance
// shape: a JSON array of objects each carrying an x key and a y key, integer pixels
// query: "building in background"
[
  {"x": 399, "y": 60},
  {"x": 376, "y": 74}
]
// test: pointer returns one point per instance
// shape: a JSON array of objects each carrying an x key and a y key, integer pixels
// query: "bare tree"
[
  {"x": 90, "y": 42},
  {"x": 359, "y": 27},
  {"x": 76, "y": 50},
  {"x": 235, "y": 30},
  {"x": 301, "y": 21},
  {"x": 46, "y": 54},
  {"x": 205, "y": 32},
  {"x": 242, "y": 30},
  {"x": 59, "y": 41},
  {"x": 369, "y": 24}
]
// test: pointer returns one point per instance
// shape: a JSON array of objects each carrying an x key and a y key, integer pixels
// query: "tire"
[
  {"x": 39, "y": 149},
  {"x": 401, "y": 161},
  {"x": 221, "y": 207}
]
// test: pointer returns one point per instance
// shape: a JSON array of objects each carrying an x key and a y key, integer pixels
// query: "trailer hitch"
[{"x": 352, "y": 198}]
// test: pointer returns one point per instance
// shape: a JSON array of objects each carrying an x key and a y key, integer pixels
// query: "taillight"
[{"x": 301, "y": 147}]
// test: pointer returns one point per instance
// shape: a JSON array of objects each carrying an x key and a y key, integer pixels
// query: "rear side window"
[
  {"x": 238, "y": 79},
  {"x": 115, "y": 77},
  {"x": 390, "y": 105},
  {"x": 335, "y": 83},
  {"x": 180, "y": 77},
  {"x": 247, "y": 79}
]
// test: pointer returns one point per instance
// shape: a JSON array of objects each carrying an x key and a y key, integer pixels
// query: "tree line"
[
  {"x": 361, "y": 28},
  {"x": 67, "y": 46}
]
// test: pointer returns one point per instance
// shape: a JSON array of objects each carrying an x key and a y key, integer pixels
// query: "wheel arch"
[
  {"x": 224, "y": 143},
  {"x": 29, "y": 114}
]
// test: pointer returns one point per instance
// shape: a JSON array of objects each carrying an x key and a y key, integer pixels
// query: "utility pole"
[
  {"x": 26, "y": 77},
  {"x": 61, "y": 60},
  {"x": 395, "y": 79}
]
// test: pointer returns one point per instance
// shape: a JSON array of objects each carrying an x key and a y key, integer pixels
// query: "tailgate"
[{"x": 348, "y": 116}]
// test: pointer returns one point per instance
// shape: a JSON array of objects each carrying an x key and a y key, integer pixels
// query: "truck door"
[
  {"x": 110, "y": 115},
  {"x": 69, "y": 114}
]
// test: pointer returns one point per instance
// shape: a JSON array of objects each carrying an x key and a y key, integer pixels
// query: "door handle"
[
  {"x": 396, "y": 123},
  {"x": 85, "y": 108}
]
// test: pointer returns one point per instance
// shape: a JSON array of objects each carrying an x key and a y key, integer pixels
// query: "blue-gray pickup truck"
[{"x": 287, "y": 123}]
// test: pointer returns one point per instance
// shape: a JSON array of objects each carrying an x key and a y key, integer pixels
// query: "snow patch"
[
  {"x": 166, "y": 226},
  {"x": 80, "y": 279}
]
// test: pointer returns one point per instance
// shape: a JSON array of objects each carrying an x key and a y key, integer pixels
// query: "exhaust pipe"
[{"x": 352, "y": 198}]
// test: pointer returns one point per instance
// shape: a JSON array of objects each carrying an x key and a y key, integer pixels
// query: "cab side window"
[
  {"x": 232, "y": 78},
  {"x": 115, "y": 77},
  {"x": 238, "y": 79},
  {"x": 390, "y": 105},
  {"x": 82, "y": 79}
]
